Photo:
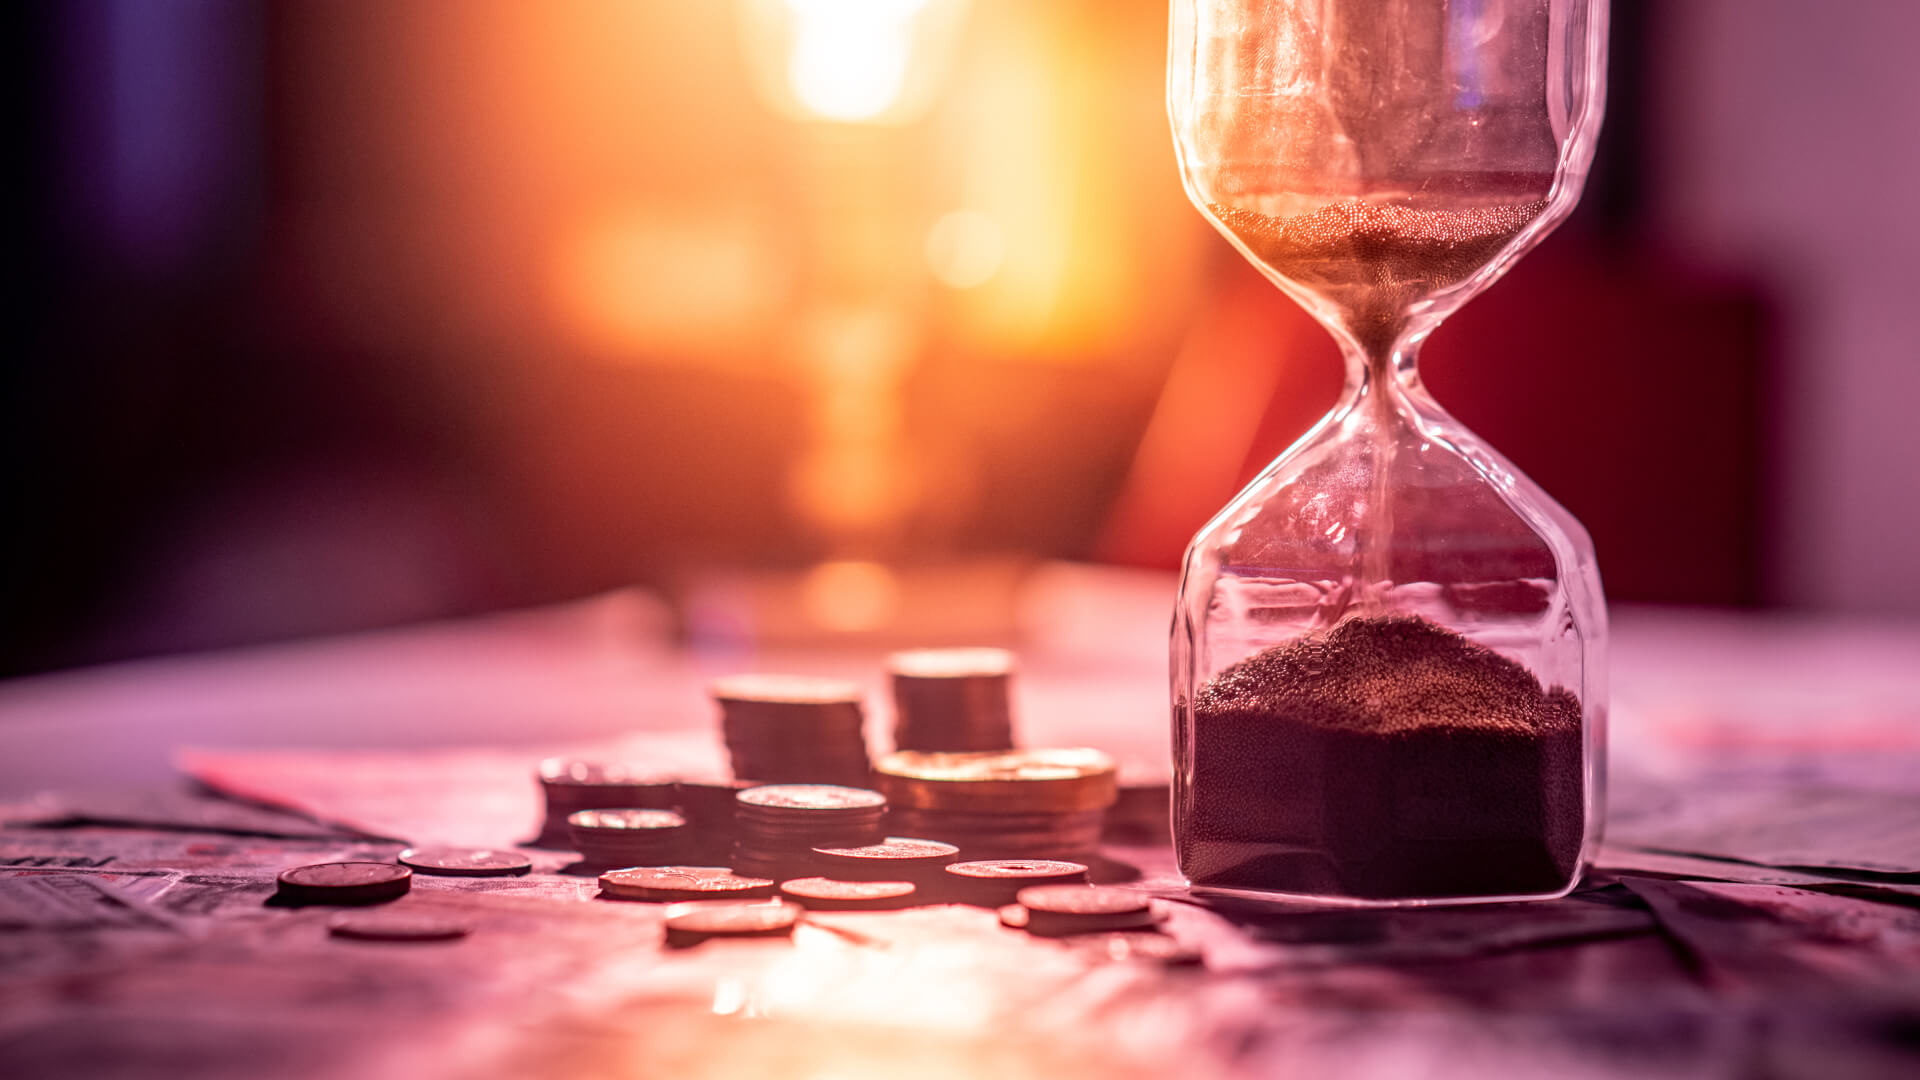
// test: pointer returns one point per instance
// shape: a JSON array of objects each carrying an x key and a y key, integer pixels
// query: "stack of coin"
[
  {"x": 792, "y": 729},
  {"x": 1017, "y": 804},
  {"x": 572, "y": 786},
  {"x": 628, "y": 837},
  {"x": 779, "y": 825},
  {"x": 952, "y": 699},
  {"x": 708, "y": 806},
  {"x": 1140, "y": 815}
]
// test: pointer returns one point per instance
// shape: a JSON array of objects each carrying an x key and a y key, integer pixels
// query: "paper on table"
[
  {"x": 176, "y": 805},
  {"x": 1773, "y": 824},
  {"x": 1750, "y": 937},
  {"x": 481, "y": 797},
  {"x": 71, "y": 900},
  {"x": 1622, "y": 861}
]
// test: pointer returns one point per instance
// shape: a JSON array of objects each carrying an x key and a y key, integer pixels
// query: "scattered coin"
[
  {"x": 827, "y": 894},
  {"x": 345, "y": 883},
  {"x": 395, "y": 926},
  {"x": 465, "y": 862},
  {"x": 1078, "y": 909},
  {"x": 892, "y": 859},
  {"x": 681, "y": 883},
  {"x": 731, "y": 918},
  {"x": 996, "y": 882}
]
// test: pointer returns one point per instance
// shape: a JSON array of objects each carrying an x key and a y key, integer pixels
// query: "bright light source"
[
  {"x": 850, "y": 61},
  {"x": 850, "y": 58}
]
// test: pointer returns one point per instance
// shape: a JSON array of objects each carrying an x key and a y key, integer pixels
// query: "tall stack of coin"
[
  {"x": 792, "y": 729},
  {"x": 779, "y": 825},
  {"x": 952, "y": 699},
  {"x": 571, "y": 786},
  {"x": 1016, "y": 804}
]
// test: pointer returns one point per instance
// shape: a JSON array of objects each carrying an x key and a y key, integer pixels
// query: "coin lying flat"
[
  {"x": 1077, "y": 909},
  {"x": 395, "y": 926},
  {"x": 1147, "y": 945},
  {"x": 682, "y": 883},
  {"x": 827, "y": 894},
  {"x": 1088, "y": 900},
  {"x": 345, "y": 883},
  {"x": 730, "y": 918},
  {"x": 997, "y": 881},
  {"x": 465, "y": 862},
  {"x": 889, "y": 860}
]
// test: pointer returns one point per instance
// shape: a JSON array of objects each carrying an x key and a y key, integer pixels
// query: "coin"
[
  {"x": 896, "y": 856},
  {"x": 1025, "y": 872},
  {"x": 572, "y": 772},
  {"x": 950, "y": 663},
  {"x": 829, "y": 895},
  {"x": 1147, "y": 945},
  {"x": 995, "y": 882},
  {"x": 625, "y": 818},
  {"x": 812, "y": 799},
  {"x": 345, "y": 883},
  {"x": 784, "y": 690},
  {"x": 1075, "y": 909},
  {"x": 1088, "y": 900},
  {"x": 466, "y": 862},
  {"x": 681, "y": 883},
  {"x": 732, "y": 918},
  {"x": 395, "y": 926},
  {"x": 952, "y": 699},
  {"x": 1005, "y": 782}
]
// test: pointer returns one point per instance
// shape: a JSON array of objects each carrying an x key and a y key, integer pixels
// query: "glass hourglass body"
[{"x": 1388, "y": 652}]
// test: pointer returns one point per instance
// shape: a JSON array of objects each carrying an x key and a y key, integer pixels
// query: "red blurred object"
[{"x": 1629, "y": 387}]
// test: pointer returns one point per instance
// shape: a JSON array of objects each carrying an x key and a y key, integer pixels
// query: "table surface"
[{"x": 1756, "y": 910}]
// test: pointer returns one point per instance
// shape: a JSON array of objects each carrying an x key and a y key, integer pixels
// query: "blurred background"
[{"x": 827, "y": 316}]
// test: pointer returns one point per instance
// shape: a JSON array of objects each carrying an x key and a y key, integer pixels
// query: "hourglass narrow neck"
[{"x": 1380, "y": 372}]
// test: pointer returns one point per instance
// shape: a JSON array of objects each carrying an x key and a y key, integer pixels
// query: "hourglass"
[{"x": 1388, "y": 677}]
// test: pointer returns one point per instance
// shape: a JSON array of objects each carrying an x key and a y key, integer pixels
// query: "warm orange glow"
[
  {"x": 851, "y": 596},
  {"x": 849, "y": 57},
  {"x": 965, "y": 248},
  {"x": 633, "y": 283}
]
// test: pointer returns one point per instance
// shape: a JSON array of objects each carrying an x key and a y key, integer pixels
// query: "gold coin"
[{"x": 1010, "y": 781}]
